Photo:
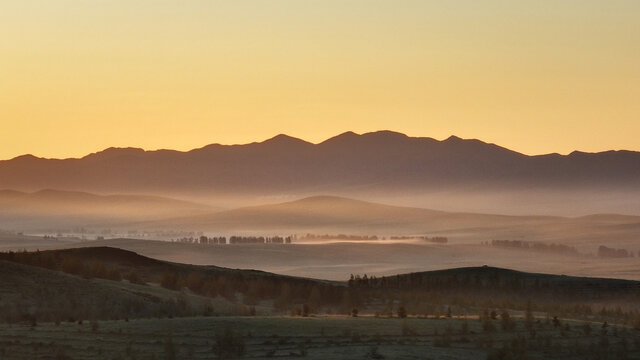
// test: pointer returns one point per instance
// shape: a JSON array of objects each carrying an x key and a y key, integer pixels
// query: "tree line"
[{"x": 222, "y": 240}]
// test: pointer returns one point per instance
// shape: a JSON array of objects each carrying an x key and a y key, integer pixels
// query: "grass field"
[{"x": 315, "y": 338}]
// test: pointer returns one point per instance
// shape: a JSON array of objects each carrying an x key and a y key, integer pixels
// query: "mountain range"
[{"x": 381, "y": 163}]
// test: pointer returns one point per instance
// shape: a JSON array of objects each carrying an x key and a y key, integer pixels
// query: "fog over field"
[
  {"x": 377, "y": 180},
  {"x": 332, "y": 237}
]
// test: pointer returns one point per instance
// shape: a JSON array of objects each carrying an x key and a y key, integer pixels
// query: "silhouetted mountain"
[{"x": 378, "y": 161}]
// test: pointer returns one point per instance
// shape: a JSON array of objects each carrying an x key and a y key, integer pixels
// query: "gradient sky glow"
[{"x": 535, "y": 76}]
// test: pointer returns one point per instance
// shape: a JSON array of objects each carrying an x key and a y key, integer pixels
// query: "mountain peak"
[
  {"x": 378, "y": 136},
  {"x": 345, "y": 136},
  {"x": 386, "y": 134},
  {"x": 284, "y": 139},
  {"x": 453, "y": 138},
  {"x": 26, "y": 157},
  {"x": 116, "y": 152}
]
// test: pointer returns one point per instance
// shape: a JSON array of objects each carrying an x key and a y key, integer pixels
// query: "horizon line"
[{"x": 287, "y": 136}]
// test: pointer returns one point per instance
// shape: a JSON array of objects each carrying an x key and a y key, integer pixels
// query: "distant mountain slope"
[
  {"x": 71, "y": 208},
  {"x": 338, "y": 215},
  {"x": 47, "y": 199},
  {"x": 332, "y": 213},
  {"x": 348, "y": 162}
]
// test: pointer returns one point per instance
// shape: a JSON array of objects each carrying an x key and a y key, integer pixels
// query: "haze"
[
  {"x": 537, "y": 77},
  {"x": 327, "y": 179}
]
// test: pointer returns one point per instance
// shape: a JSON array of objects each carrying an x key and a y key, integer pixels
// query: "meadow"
[{"x": 322, "y": 337}]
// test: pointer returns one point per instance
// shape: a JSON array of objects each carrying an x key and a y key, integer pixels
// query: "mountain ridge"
[
  {"x": 285, "y": 138},
  {"x": 348, "y": 163},
  {"x": 279, "y": 138}
]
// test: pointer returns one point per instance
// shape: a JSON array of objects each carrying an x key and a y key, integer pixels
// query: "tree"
[
  {"x": 354, "y": 312},
  {"x": 169, "y": 350},
  {"x": 506, "y": 321},
  {"x": 487, "y": 324},
  {"x": 528, "y": 316},
  {"x": 133, "y": 278},
  {"x": 283, "y": 301},
  {"x": 315, "y": 299},
  {"x": 464, "y": 327},
  {"x": 229, "y": 344},
  {"x": 402, "y": 312},
  {"x": 169, "y": 280},
  {"x": 195, "y": 282},
  {"x": 586, "y": 328}
]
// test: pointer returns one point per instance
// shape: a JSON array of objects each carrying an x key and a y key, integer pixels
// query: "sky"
[{"x": 78, "y": 76}]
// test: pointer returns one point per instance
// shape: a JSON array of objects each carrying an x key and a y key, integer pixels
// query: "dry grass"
[{"x": 313, "y": 338}]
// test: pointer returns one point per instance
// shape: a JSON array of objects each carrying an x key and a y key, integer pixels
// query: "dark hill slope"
[
  {"x": 34, "y": 294},
  {"x": 113, "y": 265},
  {"x": 89, "y": 289},
  {"x": 486, "y": 276}
]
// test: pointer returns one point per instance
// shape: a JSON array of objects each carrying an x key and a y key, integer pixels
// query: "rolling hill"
[
  {"x": 331, "y": 214},
  {"x": 55, "y": 208},
  {"x": 91, "y": 283},
  {"x": 87, "y": 283}
]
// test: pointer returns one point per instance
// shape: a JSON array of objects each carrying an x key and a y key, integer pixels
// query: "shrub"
[
  {"x": 402, "y": 312},
  {"x": 229, "y": 345}
]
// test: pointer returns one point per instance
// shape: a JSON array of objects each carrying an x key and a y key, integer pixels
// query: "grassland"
[
  {"x": 316, "y": 338},
  {"x": 83, "y": 303}
]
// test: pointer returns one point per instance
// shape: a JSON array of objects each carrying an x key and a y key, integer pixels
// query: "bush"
[
  {"x": 133, "y": 278},
  {"x": 443, "y": 341},
  {"x": 506, "y": 321},
  {"x": 402, "y": 312},
  {"x": 374, "y": 354},
  {"x": 408, "y": 330},
  {"x": 229, "y": 345},
  {"x": 169, "y": 350}
]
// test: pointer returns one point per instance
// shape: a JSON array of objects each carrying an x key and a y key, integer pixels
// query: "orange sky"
[{"x": 535, "y": 76}]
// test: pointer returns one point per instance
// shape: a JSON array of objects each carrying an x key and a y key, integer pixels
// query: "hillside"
[
  {"x": 373, "y": 165},
  {"x": 96, "y": 275},
  {"x": 338, "y": 215},
  {"x": 534, "y": 285},
  {"x": 89, "y": 281},
  {"x": 33, "y": 294},
  {"x": 59, "y": 209}
]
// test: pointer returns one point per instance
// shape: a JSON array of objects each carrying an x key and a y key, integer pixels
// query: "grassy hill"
[
  {"x": 104, "y": 282},
  {"x": 32, "y": 294}
]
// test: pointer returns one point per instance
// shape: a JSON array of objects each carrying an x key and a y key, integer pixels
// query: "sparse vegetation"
[{"x": 412, "y": 310}]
